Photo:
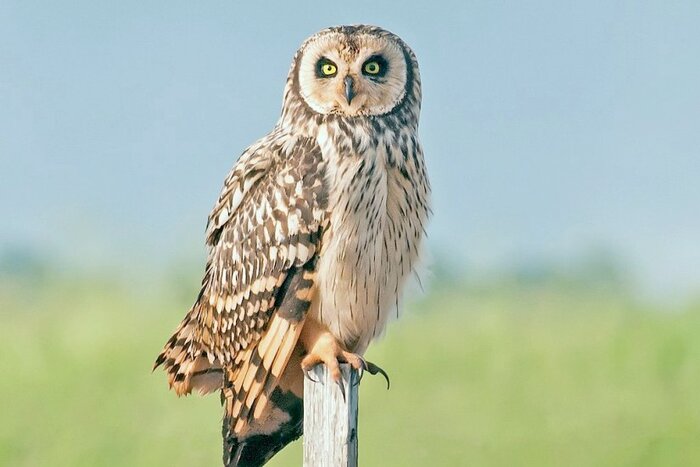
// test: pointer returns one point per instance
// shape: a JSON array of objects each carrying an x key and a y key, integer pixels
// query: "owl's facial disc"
[{"x": 352, "y": 75}]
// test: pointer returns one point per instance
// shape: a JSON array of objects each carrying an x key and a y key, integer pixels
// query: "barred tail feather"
[
  {"x": 280, "y": 422},
  {"x": 257, "y": 449},
  {"x": 187, "y": 367}
]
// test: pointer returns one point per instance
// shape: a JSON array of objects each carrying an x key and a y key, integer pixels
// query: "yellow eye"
[
  {"x": 328, "y": 69},
  {"x": 372, "y": 68}
]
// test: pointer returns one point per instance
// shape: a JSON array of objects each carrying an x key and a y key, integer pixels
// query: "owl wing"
[{"x": 263, "y": 236}]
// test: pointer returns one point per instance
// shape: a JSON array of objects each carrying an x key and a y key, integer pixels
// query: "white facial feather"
[{"x": 374, "y": 96}]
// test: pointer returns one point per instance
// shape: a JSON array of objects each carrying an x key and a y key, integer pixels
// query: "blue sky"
[{"x": 549, "y": 127}]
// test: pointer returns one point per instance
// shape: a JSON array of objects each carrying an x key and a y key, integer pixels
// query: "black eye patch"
[
  {"x": 375, "y": 66},
  {"x": 325, "y": 68}
]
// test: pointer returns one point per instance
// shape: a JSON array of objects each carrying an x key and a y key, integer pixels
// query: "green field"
[{"x": 543, "y": 375}]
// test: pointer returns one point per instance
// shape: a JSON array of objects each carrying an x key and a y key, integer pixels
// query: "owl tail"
[
  {"x": 256, "y": 447},
  {"x": 187, "y": 367},
  {"x": 253, "y": 443}
]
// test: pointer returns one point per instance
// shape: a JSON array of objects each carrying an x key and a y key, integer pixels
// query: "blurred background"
[{"x": 560, "y": 322}]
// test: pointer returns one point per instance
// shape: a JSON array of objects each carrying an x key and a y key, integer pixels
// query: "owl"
[{"x": 316, "y": 230}]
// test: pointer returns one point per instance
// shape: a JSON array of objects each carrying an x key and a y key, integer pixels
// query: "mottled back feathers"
[{"x": 267, "y": 221}]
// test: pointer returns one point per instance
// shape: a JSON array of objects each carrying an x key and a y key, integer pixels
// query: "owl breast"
[{"x": 378, "y": 199}]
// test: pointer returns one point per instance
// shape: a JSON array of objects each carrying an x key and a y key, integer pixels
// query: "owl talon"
[
  {"x": 307, "y": 374},
  {"x": 360, "y": 371},
  {"x": 374, "y": 369}
]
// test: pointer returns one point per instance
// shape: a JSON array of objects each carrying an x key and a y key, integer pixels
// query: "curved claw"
[
  {"x": 360, "y": 371},
  {"x": 307, "y": 374},
  {"x": 374, "y": 369}
]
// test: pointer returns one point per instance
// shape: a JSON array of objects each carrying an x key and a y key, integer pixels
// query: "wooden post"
[{"x": 330, "y": 422}]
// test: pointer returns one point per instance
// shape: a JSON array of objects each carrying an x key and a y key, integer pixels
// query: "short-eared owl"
[{"x": 316, "y": 229}]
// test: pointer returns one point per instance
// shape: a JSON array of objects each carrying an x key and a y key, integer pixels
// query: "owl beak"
[{"x": 349, "y": 91}]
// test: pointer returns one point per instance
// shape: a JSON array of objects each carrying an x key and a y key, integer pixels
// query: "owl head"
[{"x": 353, "y": 71}]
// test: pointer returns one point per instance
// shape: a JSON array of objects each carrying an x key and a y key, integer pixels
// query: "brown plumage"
[{"x": 310, "y": 242}]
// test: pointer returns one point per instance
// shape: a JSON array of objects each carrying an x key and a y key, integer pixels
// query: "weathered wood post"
[{"x": 330, "y": 421}]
